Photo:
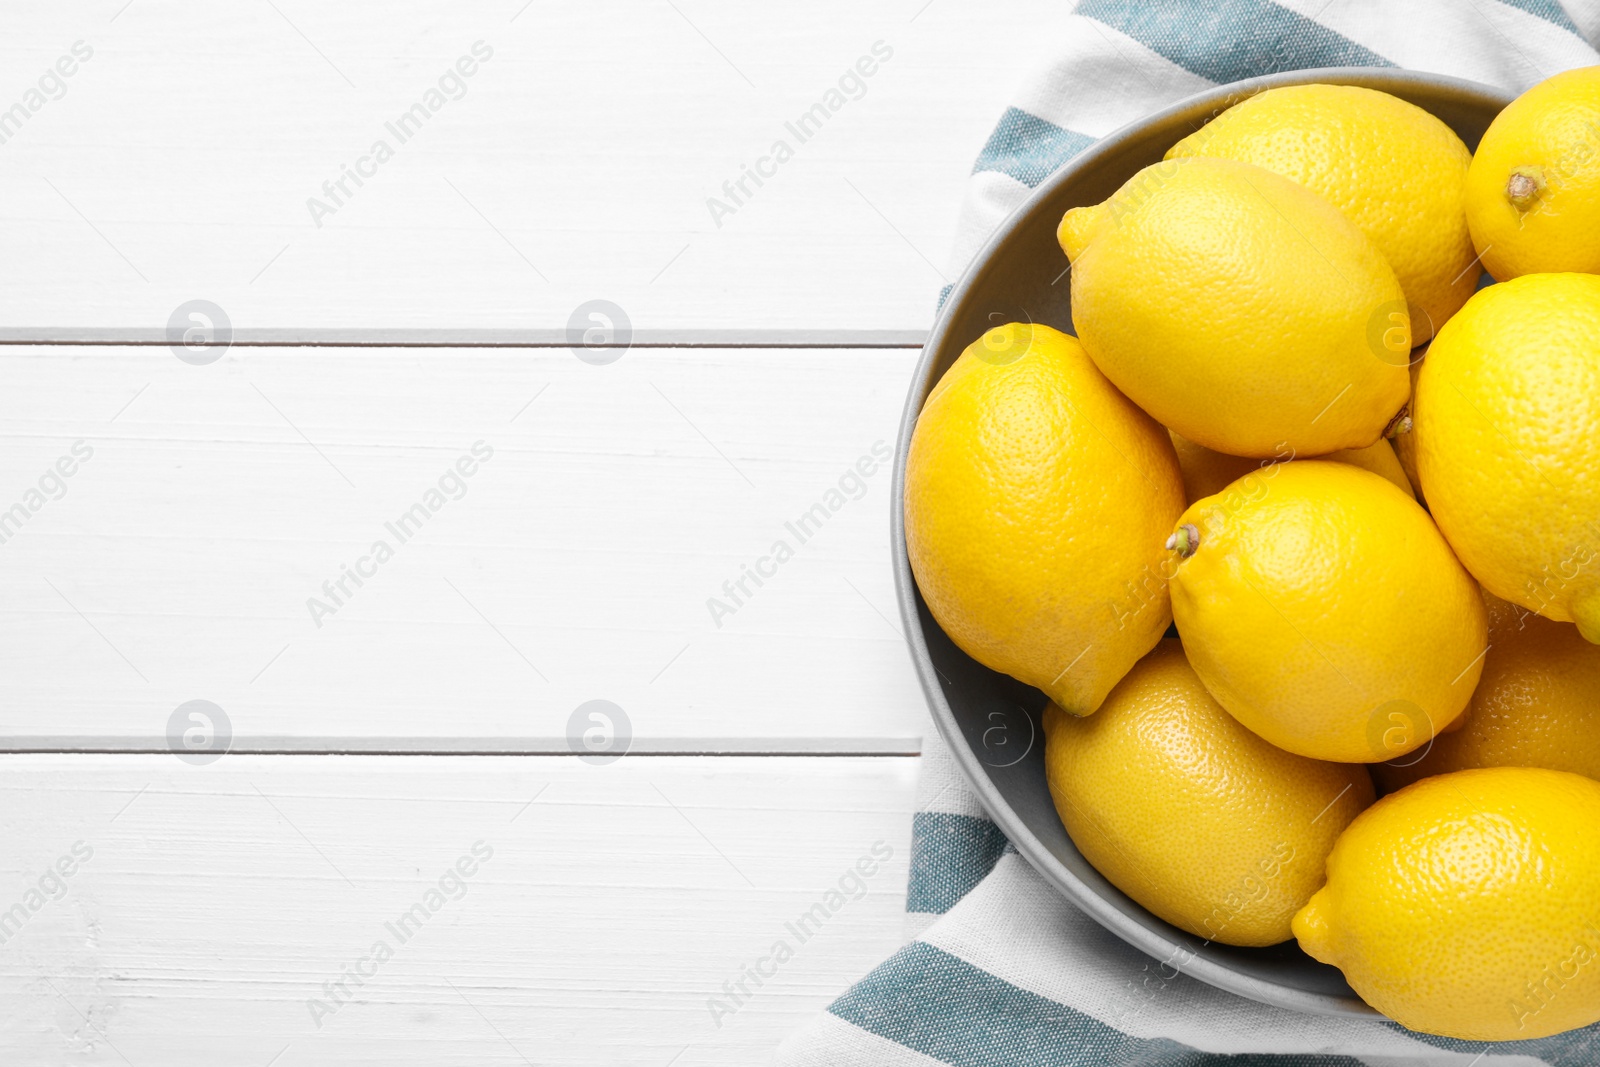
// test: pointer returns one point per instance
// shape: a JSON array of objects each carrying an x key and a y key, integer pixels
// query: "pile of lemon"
[{"x": 1382, "y": 556}]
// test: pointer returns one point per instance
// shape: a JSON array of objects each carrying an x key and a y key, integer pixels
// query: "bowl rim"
[{"x": 1152, "y": 943}]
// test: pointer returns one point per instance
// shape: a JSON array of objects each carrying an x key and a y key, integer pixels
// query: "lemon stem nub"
[
  {"x": 1524, "y": 187},
  {"x": 1184, "y": 540},
  {"x": 1398, "y": 425}
]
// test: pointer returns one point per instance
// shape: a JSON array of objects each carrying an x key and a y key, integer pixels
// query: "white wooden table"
[{"x": 162, "y": 152}]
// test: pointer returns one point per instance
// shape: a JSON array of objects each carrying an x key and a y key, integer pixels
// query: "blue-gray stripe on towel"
[
  {"x": 942, "y": 1006},
  {"x": 950, "y": 854},
  {"x": 1028, "y": 148},
  {"x": 1228, "y": 40},
  {"x": 1548, "y": 10}
]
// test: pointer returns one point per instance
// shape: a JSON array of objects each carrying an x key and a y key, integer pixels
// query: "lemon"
[
  {"x": 1206, "y": 472},
  {"x": 1378, "y": 458},
  {"x": 1036, "y": 499},
  {"x": 1533, "y": 193},
  {"x": 1537, "y": 704},
  {"x": 1322, "y": 608},
  {"x": 1404, "y": 431},
  {"x": 1189, "y": 813},
  {"x": 1467, "y": 905},
  {"x": 1397, "y": 172},
  {"x": 1508, "y": 442},
  {"x": 1240, "y": 309}
]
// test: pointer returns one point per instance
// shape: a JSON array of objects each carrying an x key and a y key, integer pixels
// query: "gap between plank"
[
  {"x": 484, "y": 338},
  {"x": 719, "y": 753},
  {"x": 392, "y": 745}
]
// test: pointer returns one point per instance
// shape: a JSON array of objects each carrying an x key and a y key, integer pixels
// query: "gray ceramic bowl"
[{"x": 992, "y": 722}]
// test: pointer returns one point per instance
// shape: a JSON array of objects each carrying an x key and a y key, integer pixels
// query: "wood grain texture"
[
  {"x": 577, "y": 161},
  {"x": 181, "y": 561},
  {"x": 217, "y": 901}
]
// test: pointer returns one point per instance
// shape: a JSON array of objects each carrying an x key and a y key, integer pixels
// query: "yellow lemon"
[
  {"x": 1206, "y": 472},
  {"x": 1036, "y": 498},
  {"x": 1240, "y": 309},
  {"x": 1378, "y": 458},
  {"x": 1537, "y": 704},
  {"x": 1322, "y": 608},
  {"x": 1403, "y": 432},
  {"x": 1397, "y": 172},
  {"x": 1467, "y": 905},
  {"x": 1508, "y": 442},
  {"x": 1533, "y": 193},
  {"x": 1189, "y": 813}
]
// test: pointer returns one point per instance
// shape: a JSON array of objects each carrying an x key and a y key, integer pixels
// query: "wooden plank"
[
  {"x": 203, "y": 550},
  {"x": 579, "y": 160},
  {"x": 215, "y": 902}
]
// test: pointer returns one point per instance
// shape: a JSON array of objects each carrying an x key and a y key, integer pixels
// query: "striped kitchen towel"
[{"x": 1000, "y": 970}]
